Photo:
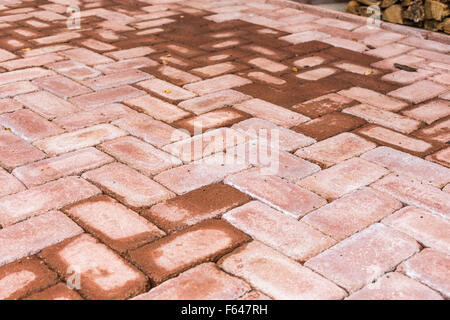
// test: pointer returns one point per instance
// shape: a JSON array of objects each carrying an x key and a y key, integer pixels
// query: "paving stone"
[
  {"x": 116, "y": 79},
  {"x": 204, "y": 282},
  {"x": 418, "y": 91},
  {"x": 12, "y": 89},
  {"x": 405, "y": 77},
  {"x": 362, "y": 258},
  {"x": 9, "y": 105},
  {"x": 61, "y": 86},
  {"x": 128, "y": 185},
  {"x": 106, "y": 96},
  {"x": 442, "y": 157},
  {"x": 322, "y": 105},
  {"x": 166, "y": 90},
  {"x": 126, "y": 64},
  {"x": 206, "y": 241},
  {"x": 103, "y": 274},
  {"x": 431, "y": 268},
  {"x": 35, "y": 61},
  {"x": 261, "y": 267},
  {"x": 86, "y": 56},
  {"x": 29, "y": 237},
  {"x": 15, "y": 152},
  {"x": 373, "y": 98},
  {"x": 216, "y": 84},
  {"x": 46, "y": 104},
  {"x": 130, "y": 53},
  {"x": 429, "y": 112},
  {"x": 74, "y": 69},
  {"x": 9, "y": 183},
  {"x": 437, "y": 132},
  {"x": 23, "y": 75},
  {"x": 59, "y": 291},
  {"x": 113, "y": 223}
]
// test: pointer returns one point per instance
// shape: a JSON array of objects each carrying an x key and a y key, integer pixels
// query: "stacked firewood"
[{"x": 429, "y": 14}]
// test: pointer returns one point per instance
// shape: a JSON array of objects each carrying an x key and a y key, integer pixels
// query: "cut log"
[
  {"x": 434, "y": 10},
  {"x": 388, "y": 3},
  {"x": 352, "y": 7},
  {"x": 415, "y": 12},
  {"x": 370, "y": 2},
  {"x": 446, "y": 25},
  {"x": 393, "y": 14}
]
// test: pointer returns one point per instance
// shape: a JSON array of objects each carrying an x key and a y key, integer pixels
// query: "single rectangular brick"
[
  {"x": 352, "y": 213},
  {"x": 271, "y": 112},
  {"x": 206, "y": 241},
  {"x": 409, "y": 165},
  {"x": 429, "y": 112},
  {"x": 9, "y": 183},
  {"x": 9, "y": 105},
  {"x": 28, "y": 125},
  {"x": 128, "y": 185},
  {"x": 213, "y": 101},
  {"x": 437, "y": 132},
  {"x": 364, "y": 257},
  {"x": 206, "y": 144},
  {"x": 157, "y": 108},
  {"x": 103, "y": 273},
  {"x": 295, "y": 239},
  {"x": 441, "y": 157},
  {"x": 113, "y": 223},
  {"x": 72, "y": 163},
  {"x": 218, "y": 69},
  {"x": 74, "y": 69},
  {"x": 404, "y": 77},
  {"x": 24, "y": 277},
  {"x": 24, "y": 74},
  {"x": 195, "y": 206},
  {"x": 59, "y": 291},
  {"x": 389, "y": 50},
  {"x": 395, "y": 286},
  {"x": 6, "y": 55},
  {"x": 79, "y": 139},
  {"x": 343, "y": 178},
  {"x": 31, "y": 236},
  {"x": 60, "y": 37},
  {"x": 86, "y": 56},
  {"x": 305, "y": 36},
  {"x": 116, "y": 79},
  {"x": 416, "y": 193},
  {"x": 217, "y": 84},
  {"x": 140, "y": 155},
  {"x": 204, "y": 282},
  {"x": 427, "y": 228},
  {"x": 174, "y": 75},
  {"x": 384, "y": 118},
  {"x": 418, "y": 91},
  {"x": 46, "y": 104},
  {"x": 37, "y": 200},
  {"x": 199, "y": 173},
  {"x": 35, "y": 61},
  {"x": 127, "y": 64},
  {"x": 106, "y": 96},
  {"x": 268, "y": 65},
  {"x": 166, "y": 90},
  {"x": 130, "y": 53},
  {"x": 15, "y": 151},
  {"x": 16, "y": 88},
  {"x": 278, "y": 193},
  {"x": 373, "y": 98},
  {"x": 262, "y": 266},
  {"x": 322, "y": 105},
  {"x": 336, "y": 149},
  {"x": 61, "y": 86},
  {"x": 431, "y": 268}
]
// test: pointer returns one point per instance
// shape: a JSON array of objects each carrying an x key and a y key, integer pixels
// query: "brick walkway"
[{"x": 100, "y": 186}]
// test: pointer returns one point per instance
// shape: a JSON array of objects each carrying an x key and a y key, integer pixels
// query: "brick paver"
[{"x": 259, "y": 149}]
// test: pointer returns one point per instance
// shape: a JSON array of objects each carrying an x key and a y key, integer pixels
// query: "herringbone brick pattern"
[{"x": 130, "y": 163}]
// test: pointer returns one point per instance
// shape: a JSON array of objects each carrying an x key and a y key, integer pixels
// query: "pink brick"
[
  {"x": 405, "y": 59},
  {"x": 373, "y": 98},
  {"x": 278, "y": 193},
  {"x": 346, "y": 44},
  {"x": 268, "y": 65},
  {"x": 86, "y": 56},
  {"x": 443, "y": 79},
  {"x": 438, "y": 131},
  {"x": 396, "y": 139},
  {"x": 50, "y": 169},
  {"x": 416, "y": 193},
  {"x": 128, "y": 185},
  {"x": 356, "y": 68},
  {"x": 309, "y": 62},
  {"x": 140, "y": 155},
  {"x": 46, "y": 104},
  {"x": 390, "y": 50},
  {"x": 206, "y": 144},
  {"x": 431, "y": 268},
  {"x": 127, "y": 64},
  {"x": 408, "y": 165},
  {"x": 179, "y": 77},
  {"x": 45, "y": 50},
  {"x": 405, "y": 77},
  {"x": 204, "y": 282},
  {"x": 102, "y": 114},
  {"x": 418, "y": 91},
  {"x": 364, "y": 257},
  {"x": 262, "y": 266},
  {"x": 15, "y": 151},
  {"x": 217, "y": 84},
  {"x": 382, "y": 38},
  {"x": 295, "y": 239},
  {"x": 9, "y": 184},
  {"x": 305, "y": 36},
  {"x": 97, "y": 45},
  {"x": 104, "y": 274},
  {"x": 106, "y": 96},
  {"x": 82, "y": 138},
  {"x": 271, "y": 112},
  {"x": 9, "y": 105},
  {"x": 61, "y": 86},
  {"x": 13, "y": 89},
  {"x": 213, "y": 101},
  {"x": 431, "y": 55},
  {"x": 74, "y": 69},
  {"x": 287, "y": 140},
  {"x": 428, "y": 229},
  {"x": 34, "y": 61},
  {"x": 153, "y": 23},
  {"x": 426, "y": 44},
  {"x": 352, "y": 213},
  {"x": 28, "y": 125},
  {"x": 23, "y": 75},
  {"x": 116, "y": 79},
  {"x": 336, "y": 23},
  {"x": 266, "y": 78},
  {"x": 157, "y": 108},
  {"x": 113, "y": 223},
  {"x": 336, "y": 149},
  {"x": 254, "y": 295},
  {"x": 316, "y": 74},
  {"x": 199, "y": 173},
  {"x": 152, "y": 131},
  {"x": 31, "y": 236},
  {"x": 216, "y": 69},
  {"x": 6, "y": 55},
  {"x": 395, "y": 286},
  {"x": 37, "y": 200},
  {"x": 441, "y": 157},
  {"x": 384, "y": 118},
  {"x": 343, "y": 178},
  {"x": 166, "y": 90},
  {"x": 60, "y": 37}
]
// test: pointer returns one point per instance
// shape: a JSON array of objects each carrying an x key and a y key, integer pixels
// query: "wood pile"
[{"x": 429, "y": 14}]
